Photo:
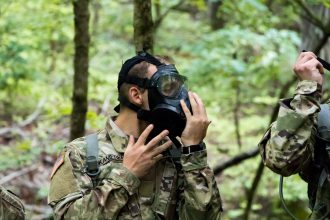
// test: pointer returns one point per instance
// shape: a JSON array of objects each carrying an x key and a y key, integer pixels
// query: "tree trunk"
[
  {"x": 80, "y": 84},
  {"x": 143, "y": 26},
  {"x": 253, "y": 190},
  {"x": 216, "y": 22}
]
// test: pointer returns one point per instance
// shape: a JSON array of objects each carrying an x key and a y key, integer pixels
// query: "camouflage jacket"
[
  {"x": 11, "y": 207},
  {"x": 288, "y": 145},
  {"x": 165, "y": 193}
]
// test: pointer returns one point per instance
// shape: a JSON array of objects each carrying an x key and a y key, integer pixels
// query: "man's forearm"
[{"x": 201, "y": 197}]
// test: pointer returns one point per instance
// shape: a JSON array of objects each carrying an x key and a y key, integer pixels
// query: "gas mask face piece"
[{"x": 165, "y": 90}]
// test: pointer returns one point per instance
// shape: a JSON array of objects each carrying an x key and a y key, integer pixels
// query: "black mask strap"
[
  {"x": 141, "y": 113},
  {"x": 128, "y": 64},
  {"x": 140, "y": 82}
]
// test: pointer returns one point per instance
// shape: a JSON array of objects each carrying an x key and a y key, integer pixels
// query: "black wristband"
[{"x": 193, "y": 148}]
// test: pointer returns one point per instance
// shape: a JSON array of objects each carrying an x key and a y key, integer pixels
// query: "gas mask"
[{"x": 165, "y": 90}]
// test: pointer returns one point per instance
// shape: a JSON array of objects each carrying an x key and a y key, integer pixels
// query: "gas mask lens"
[{"x": 170, "y": 85}]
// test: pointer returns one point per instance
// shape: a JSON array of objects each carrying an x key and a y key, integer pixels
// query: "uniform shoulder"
[
  {"x": 79, "y": 145},
  {"x": 76, "y": 144}
]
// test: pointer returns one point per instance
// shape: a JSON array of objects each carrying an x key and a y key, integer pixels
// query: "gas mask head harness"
[{"x": 165, "y": 90}]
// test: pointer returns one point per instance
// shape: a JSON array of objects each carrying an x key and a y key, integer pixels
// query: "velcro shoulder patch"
[
  {"x": 58, "y": 163},
  {"x": 63, "y": 181}
]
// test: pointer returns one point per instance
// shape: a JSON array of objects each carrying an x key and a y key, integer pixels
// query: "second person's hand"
[{"x": 307, "y": 67}]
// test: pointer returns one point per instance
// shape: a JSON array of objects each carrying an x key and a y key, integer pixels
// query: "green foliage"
[
  {"x": 225, "y": 59},
  {"x": 257, "y": 15},
  {"x": 243, "y": 66},
  {"x": 19, "y": 156}
]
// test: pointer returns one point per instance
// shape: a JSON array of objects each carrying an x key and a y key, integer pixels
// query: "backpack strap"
[
  {"x": 320, "y": 167},
  {"x": 92, "y": 155},
  {"x": 323, "y": 122},
  {"x": 322, "y": 152},
  {"x": 323, "y": 133}
]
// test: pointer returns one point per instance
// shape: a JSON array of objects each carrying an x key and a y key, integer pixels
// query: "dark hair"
[{"x": 139, "y": 70}]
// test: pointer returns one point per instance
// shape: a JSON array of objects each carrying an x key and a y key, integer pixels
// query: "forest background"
[{"x": 238, "y": 56}]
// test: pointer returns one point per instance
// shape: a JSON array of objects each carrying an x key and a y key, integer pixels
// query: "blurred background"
[{"x": 238, "y": 56}]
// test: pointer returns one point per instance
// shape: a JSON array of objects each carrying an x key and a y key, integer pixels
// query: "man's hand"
[
  {"x": 307, "y": 67},
  {"x": 140, "y": 157},
  {"x": 197, "y": 122}
]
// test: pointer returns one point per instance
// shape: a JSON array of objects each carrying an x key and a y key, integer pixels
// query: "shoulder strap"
[
  {"x": 323, "y": 122},
  {"x": 92, "y": 155},
  {"x": 323, "y": 133}
]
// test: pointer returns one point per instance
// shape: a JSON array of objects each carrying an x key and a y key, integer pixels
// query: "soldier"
[
  {"x": 291, "y": 145},
  {"x": 11, "y": 208},
  {"x": 141, "y": 175}
]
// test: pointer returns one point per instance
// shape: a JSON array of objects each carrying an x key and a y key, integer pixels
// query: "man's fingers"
[
  {"x": 161, "y": 148},
  {"x": 153, "y": 142},
  {"x": 305, "y": 56},
  {"x": 143, "y": 137},
  {"x": 130, "y": 141},
  {"x": 158, "y": 157},
  {"x": 185, "y": 109},
  {"x": 200, "y": 104},
  {"x": 320, "y": 67},
  {"x": 315, "y": 64},
  {"x": 193, "y": 103}
]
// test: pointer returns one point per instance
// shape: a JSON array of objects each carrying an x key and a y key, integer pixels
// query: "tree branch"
[
  {"x": 15, "y": 130},
  {"x": 18, "y": 173},
  {"x": 105, "y": 105},
  {"x": 35, "y": 114},
  {"x": 236, "y": 116},
  {"x": 312, "y": 18},
  {"x": 235, "y": 160},
  {"x": 321, "y": 44},
  {"x": 161, "y": 17},
  {"x": 31, "y": 118}
]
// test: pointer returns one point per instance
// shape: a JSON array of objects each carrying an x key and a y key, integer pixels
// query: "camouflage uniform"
[
  {"x": 118, "y": 194},
  {"x": 11, "y": 208},
  {"x": 288, "y": 145}
]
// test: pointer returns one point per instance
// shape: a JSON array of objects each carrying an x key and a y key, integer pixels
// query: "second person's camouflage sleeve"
[
  {"x": 200, "y": 198},
  {"x": 11, "y": 207},
  {"x": 287, "y": 146}
]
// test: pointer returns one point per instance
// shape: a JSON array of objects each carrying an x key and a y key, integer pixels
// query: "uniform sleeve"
[
  {"x": 200, "y": 198},
  {"x": 287, "y": 146},
  {"x": 72, "y": 195}
]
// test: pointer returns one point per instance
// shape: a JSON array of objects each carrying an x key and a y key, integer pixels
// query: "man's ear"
[{"x": 135, "y": 95}]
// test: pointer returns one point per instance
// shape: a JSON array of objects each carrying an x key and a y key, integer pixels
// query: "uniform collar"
[{"x": 118, "y": 137}]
